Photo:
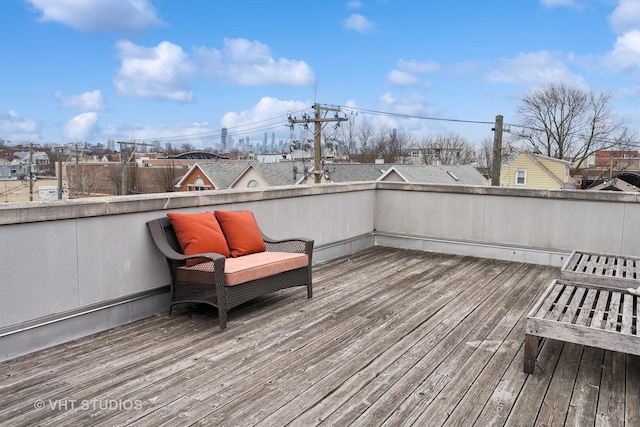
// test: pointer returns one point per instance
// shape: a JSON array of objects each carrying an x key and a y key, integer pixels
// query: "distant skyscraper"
[{"x": 223, "y": 139}]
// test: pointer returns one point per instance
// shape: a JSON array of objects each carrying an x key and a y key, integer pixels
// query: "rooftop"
[
  {"x": 420, "y": 293},
  {"x": 391, "y": 337}
]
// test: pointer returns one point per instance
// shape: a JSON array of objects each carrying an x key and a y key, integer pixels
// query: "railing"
[{"x": 74, "y": 267}]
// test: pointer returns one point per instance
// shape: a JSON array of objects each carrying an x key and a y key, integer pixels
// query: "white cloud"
[
  {"x": 626, "y": 16},
  {"x": 161, "y": 72},
  {"x": 204, "y": 134},
  {"x": 167, "y": 72},
  {"x": 402, "y": 78},
  {"x": 626, "y": 53},
  {"x": 119, "y": 16},
  {"x": 250, "y": 63},
  {"x": 82, "y": 127},
  {"x": 413, "y": 105},
  {"x": 87, "y": 101},
  {"x": 354, "y": 4},
  {"x": 406, "y": 73},
  {"x": 358, "y": 23},
  {"x": 267, "y": 108},
  {"x": 534, "y": 69},
  {"x": 13, "y": 127}
]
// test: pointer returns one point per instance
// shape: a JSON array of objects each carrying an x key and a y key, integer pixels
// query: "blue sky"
[{"x": 80, "y": 70}]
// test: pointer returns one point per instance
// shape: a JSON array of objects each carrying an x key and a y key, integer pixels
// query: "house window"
[
  {"x": 198, "y": 185},
  {"x": 521, "y": 177},
  {"x": 191, "y": 187},
  {"x": 253, "y": 184}
]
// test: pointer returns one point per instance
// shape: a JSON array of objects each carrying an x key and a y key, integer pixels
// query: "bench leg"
[
  {"x": 530, "y": 352},
  {"x": 222, "y": 318}
]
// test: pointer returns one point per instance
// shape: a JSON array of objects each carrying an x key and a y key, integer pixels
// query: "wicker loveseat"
[{"x": 228, "y": 281}]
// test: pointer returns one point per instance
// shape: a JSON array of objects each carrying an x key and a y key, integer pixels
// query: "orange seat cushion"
[
  {"x": 246, "y": 268},
  {"x": 241, "y": 231},
  {"x": 198, "y": 233}
]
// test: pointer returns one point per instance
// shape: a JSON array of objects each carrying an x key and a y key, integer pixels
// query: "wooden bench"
[
  {"x": 612, "y": 271},
  {"x": 582, "y": 313}
]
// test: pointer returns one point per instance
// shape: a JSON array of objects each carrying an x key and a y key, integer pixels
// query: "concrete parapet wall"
[
  {"x": 547, "y": 220},
  {"x": 79, "y": 262}
]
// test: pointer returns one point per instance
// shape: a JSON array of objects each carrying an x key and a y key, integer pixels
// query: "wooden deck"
[{"x": 390, "y": 338}]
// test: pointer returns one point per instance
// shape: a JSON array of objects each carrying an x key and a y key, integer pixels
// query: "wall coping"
[{"x": 38, "y": 211}]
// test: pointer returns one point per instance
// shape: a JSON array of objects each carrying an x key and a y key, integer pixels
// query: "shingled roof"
[{"x": 434, "y": 174}]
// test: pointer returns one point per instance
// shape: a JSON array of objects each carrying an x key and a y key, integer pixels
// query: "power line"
[
  {"x": 630, "y": 143},
  {"x": 410, "y": 116},
  {"x": 259, "y": 126}
]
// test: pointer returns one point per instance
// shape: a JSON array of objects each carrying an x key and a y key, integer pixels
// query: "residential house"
[
  {"x": 536, "y": 171},
  {"x": 605, "y": 165},
  {"x": 609, "y": 158},
  {"x": 223, "y": 175},
  {"x": 39, "y": 158},
  {"x": 236, "y": 175}
]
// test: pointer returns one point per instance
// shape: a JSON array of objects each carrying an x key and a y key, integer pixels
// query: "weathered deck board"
[{"x": 391, "y": 337}]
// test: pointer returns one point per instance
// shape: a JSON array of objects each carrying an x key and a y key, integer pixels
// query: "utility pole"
[
  {"x": 126, "y": 160},
  {"x": 317, "y": 121},
  {"x": 78, "y": 181},
  {"x": 31, "y": 172},
  {"x": 497, "y": 152},
  {"x": 59, "y": 151}
]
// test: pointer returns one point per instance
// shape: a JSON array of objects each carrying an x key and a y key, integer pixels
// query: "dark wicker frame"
[{"x": 208, "y": 286}]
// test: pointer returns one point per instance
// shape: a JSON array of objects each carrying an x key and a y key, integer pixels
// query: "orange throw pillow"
[
  {"x": 198, "y": 233},
  {"x": 242, "y": 232}
]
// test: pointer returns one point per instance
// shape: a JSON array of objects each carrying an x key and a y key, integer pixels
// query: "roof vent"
[{"x": 453, "y": 175}]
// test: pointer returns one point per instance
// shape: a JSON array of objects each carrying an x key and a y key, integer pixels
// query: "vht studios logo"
[{"x": 88, "y": 405}]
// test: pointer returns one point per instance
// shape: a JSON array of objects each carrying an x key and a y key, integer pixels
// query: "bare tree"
[
  {"x": 164, "y": 177},
  {"x": 114, "y": 176},
  {"x": 84, "y": 179},
  {"x": 570, "y": 123},
  {"x": 446, "y": 149},
  {"x": 187, "y": 147},
  {"x": 346, "y": 136},
  {"x": 364, "y": 141},
  {"x": 484, "y": 154}
]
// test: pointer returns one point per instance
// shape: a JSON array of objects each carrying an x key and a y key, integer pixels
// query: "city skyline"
[{"x": 77, "y": 71}]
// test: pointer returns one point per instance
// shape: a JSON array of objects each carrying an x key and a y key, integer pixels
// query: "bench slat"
[{"x": 576, "y": 304}]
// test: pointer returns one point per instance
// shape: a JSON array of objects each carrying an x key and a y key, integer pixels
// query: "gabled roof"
[
  {"x": 226, "y": 174},
  {"x": 280, "y": 173},
  {"x": 220, "y": 174},
  {"x": 538, "y": 160},
  {"x": 549, "y": 159},
  {"x": 615, "y": 184},
  {"x": 436, "y": 174},
  {"x": 350, "y": 172}
]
